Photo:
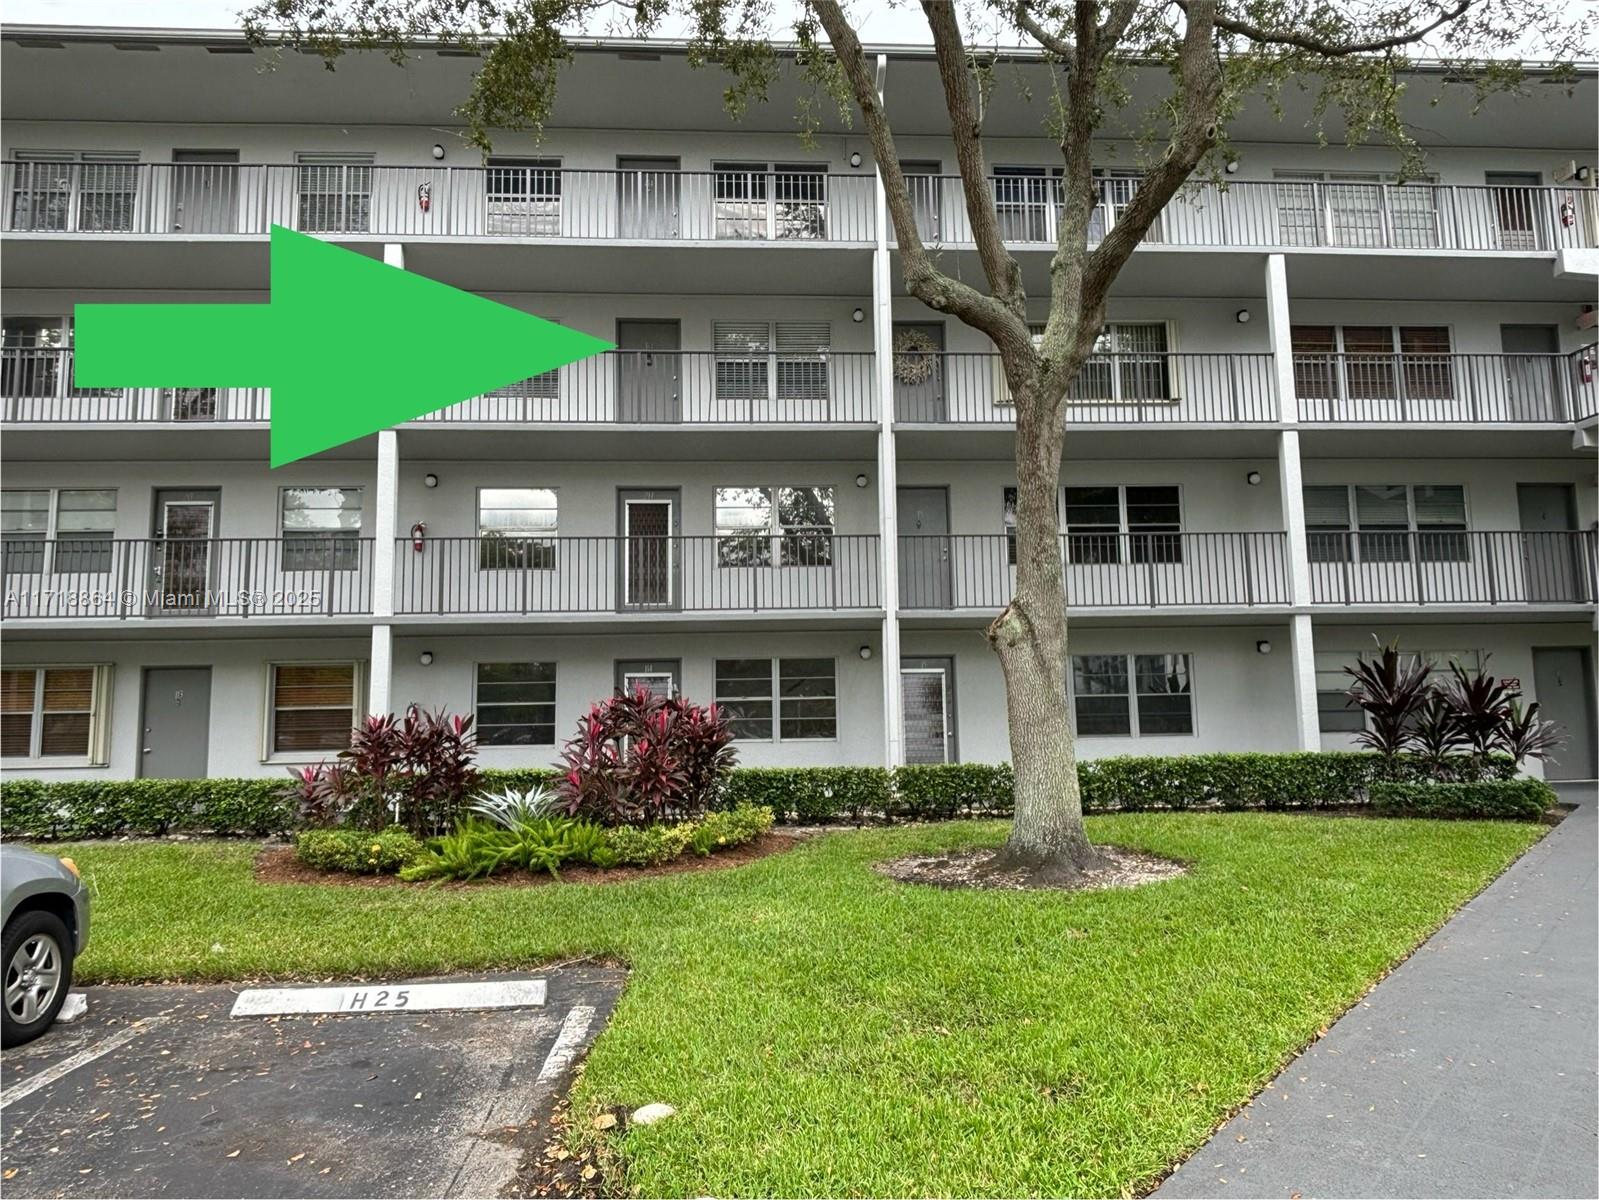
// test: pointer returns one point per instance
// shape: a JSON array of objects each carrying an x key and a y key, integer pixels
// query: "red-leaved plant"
[
  {"x": 639, "y": 758},
  {"x": 416, "y": 771}
]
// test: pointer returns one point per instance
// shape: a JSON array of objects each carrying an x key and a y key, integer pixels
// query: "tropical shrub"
[
  {"x": 647, "y": 845},
  {"x": 511, "y": 807},
  {"x": 1390, "y": 690},
  {"x": 813, "y": 795},
  {"x": 1520, "y": 799},
  {"x": 357, "y": 850},
  {"x": 640, "y": 759},
  {"x": 731, "y": 827}
]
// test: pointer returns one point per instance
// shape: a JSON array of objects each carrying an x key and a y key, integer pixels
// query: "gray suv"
[{"x": 45, "y": 910}]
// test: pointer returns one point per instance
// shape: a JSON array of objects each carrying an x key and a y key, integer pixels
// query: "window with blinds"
[
  {"x": 335, "y": 192},
  {"x": 1379, "y": 523},
  {"x": 761, "y": 360},
  {"x": 1130, "y": 363},
  {"x": 523, "y": 196},
  {"x": 1356, "y": 208},
  {"x": 760, "y": 200},
  {"x": 53, "y": 712},
  {"x": 1372, "y": 362},
  {"x": 313, "y": 706}
]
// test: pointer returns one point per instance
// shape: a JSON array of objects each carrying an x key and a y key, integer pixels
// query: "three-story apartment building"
[{"x": 1328, "y": 405}]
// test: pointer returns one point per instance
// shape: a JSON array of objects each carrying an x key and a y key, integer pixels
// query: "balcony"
[
  {"x": 1453, "y": 568},
  {"x": 1445, "y": 389},
  {"x": 1288, "y": 214},
  {"x": 115, "y": 579},
  {"x": 620, "y": 387},
  {"x": 1112, "y": 389},
  {"x": 1111, "y": 571},
  {"x": 355, "y": 201},
  {"x": 797, "y": 572}
]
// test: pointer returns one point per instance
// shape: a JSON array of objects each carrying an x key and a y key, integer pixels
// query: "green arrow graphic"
[{"x": 348, "y": 345}]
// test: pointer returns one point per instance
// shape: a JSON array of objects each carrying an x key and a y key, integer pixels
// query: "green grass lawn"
[{"x": 822, "y": 1029}]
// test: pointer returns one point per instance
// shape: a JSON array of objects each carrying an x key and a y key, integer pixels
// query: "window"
[
  {"x": 1388, "y": 518},
  {"x": 797, "y": 209},
  {"x": 516, "y": 704},
  {"x": 1129, "y": 362},
  {"x": 516, "y": 528},
  {"x": 1355, "y": 208},
  {"x": 750, "y": 519},
  {"x": 804, "y": 702},
  {"x": 1008, "y": 515},
  {"x": 53, "y": 712},
  {"x": 1022, "y": 203},
  {"x": 335, "y": 193},
  {"x": 1120, "y": 695},
  {"x": 313, "y": 706},
  {"x": 321, "y": 528},
  {"x": 1097, "y": 518},
  {"x": 1335, "y": 712},
  {"x": 524, "y": 196},
  {"x": 86, "y": 191},
  {"x": 752, "y": 356},
  {"x": 1372, "y": 362},
  {"x": 81, "y": 520}
]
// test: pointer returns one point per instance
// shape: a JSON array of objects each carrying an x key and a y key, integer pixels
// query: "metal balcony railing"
[
  {"x": 622, "y": 387},
  {"x": 1448, "y": 567},
  {"x": 1103, "y": 570},
  {"x": 96, "y": 577},
  {"x": 1285, "y": 214},
  {"x": 361, "y": 199},
  {"x": 1445, "y": 388},
  {"x": 1111, "y": 389},
  {"x": 799, "y": 570}
]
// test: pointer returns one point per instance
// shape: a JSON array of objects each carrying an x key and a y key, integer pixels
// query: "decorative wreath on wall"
[{"x": 914, "y": 357}]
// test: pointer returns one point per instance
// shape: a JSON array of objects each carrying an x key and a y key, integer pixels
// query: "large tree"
[{"x": 1202, "y": 58}]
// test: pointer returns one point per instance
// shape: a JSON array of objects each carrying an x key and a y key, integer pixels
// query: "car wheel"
[{"x": 37, "y": 954}]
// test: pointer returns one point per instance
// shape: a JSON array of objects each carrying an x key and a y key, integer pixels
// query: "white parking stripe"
[
  {"x": 71, "y": 1063},
  {"x": 567, "y": 1043}
]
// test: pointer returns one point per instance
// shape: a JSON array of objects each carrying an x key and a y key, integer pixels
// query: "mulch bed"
[
  {"x": 277, "y": 864},
  {"x": 1126, "y": 869}
]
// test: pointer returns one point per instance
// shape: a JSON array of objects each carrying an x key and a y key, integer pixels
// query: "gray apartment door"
[
  {"x": 648, "y": 197},
  {"x": 1562, "y": 676},
  {"x": 1532, "y": 378},
  {"x": 919, "y": 390},
  {"x": 1517, "y": 208},
  {"x": 1549, "y": 552},
  {"x": 182, "y": 551},
  {"x": 648, "y": 561},
  {"x": 648, "y": 372},
  {"x": 205, "y": 191},
  {"x": 924, "y": 548},
  {"x": 176, "y": 716},
  {"x": 927, "y": 709}
]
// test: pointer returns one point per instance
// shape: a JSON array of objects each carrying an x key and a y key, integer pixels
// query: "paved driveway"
[
  {"x": 157, "y": 1091},
  {"x": 1470, "y": 1071}
]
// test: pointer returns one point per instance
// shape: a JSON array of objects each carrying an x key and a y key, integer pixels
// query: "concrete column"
[
  {"x": 380, "y": 675},
  {"x": 887, "y": 461},
  {"x": 1291, "y": 480}
]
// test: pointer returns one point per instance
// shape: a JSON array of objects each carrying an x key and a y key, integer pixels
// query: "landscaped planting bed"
[{"x": 822, "y": 1029}]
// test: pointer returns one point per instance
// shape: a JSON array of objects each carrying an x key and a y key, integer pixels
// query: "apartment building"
[{"x": 1329, "y": 406}]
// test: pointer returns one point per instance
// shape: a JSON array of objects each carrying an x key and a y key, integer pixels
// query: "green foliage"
[
  {"x": 96, "y": 808},
  {"x": 647, "y": 845},
  {"x": 937, "y": 793},
  {"x": 811, "y": 795},
  {"x": 357, "y": 850},
  {"x": 730, "y": 827},
  {"x": 1499, "y": 799}
]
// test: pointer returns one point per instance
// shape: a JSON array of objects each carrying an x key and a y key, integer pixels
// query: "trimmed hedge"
[
  {"x": 1496, "y": 799},
  {"x": 802, "y": 795},
  {"x": 358, "y": 851}
]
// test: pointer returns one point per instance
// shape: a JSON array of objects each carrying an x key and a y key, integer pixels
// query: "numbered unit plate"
[{"x": 389, "y": 997}]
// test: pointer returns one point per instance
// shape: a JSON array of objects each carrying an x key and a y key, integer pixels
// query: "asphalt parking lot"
[{"x": 158, "y": 1091}]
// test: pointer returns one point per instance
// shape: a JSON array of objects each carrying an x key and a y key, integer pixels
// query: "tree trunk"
[{"x": 1047, "y": 837}]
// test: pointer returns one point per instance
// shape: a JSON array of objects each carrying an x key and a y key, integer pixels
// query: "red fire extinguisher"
[
  {"x": 418, "y": 533},
  {"x": 424, "y": 196},
  {"x": 1568, "y": 210},
  {"x": 1585, "y": 366}
]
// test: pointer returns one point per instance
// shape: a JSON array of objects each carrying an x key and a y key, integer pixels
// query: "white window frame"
[
  {"x": 1340, "y": 363},
  {"x": 775, "y": 663},
  {"x": 1353, "y": 532},
  {"x": 1329, "y": 667},
  {"x": 50, "y": 543},
  {"x": 1319, "y": 184},
  {"x": 768, "y": 171},
  {"x": 544, "y": 541},
  {"x": 99, "y": 741},
  {"x": 338, "y": 558},
  {"x": 776, "y": 531},
  {"x": 270, "y": 708},
  {"x": 1130, "y": 662},
  {"x": 477, "y": 700},
  {"x": 75, "y": 160},
  {"x": 345, "y": 160},
  {"x": 1123, "y": 532}
]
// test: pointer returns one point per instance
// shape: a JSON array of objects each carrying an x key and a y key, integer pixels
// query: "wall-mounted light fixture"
[
  {"x": 1232, "y": 166},
  {"x": 855, "y": 158},
  {"x": 425, "y": 658},
  {"x": 1253, "y": 479},
  {"x": 430, "y": 480},
  {"x": 858, "y": 315},
  {"x": 1242, "y": 316},
  {"x": 861, "y": 480},
  {"x": 438, "y": 149},
  {"x": 865, "y": 652},
  {"x": 1584, "y": 174},
  {"x": 1263, "y": 647}
]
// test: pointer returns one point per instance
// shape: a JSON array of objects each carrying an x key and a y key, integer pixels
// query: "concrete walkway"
[{"x": 1470, "y": 1071}]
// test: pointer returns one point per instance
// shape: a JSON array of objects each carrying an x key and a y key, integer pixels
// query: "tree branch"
[{"x": 1326, "y": 47}]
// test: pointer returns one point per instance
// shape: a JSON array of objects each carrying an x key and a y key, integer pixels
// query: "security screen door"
[
  {"x": 1516, "y": 199},
  {"x": 648, "y": 388},
  {"x": 181, "y": 558},
  {"x": 925, "y": 710},
  {"x": 649, "y": 565},
  {"x": 649, "y": 197}
]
